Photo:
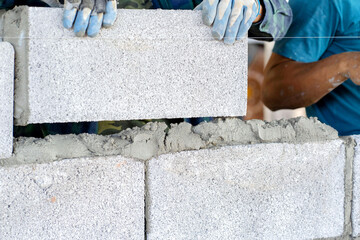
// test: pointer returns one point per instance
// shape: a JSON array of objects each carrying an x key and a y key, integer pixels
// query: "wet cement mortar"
[{"x": 155, "y": 139}]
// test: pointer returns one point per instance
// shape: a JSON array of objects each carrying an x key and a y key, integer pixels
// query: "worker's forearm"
[{"x": 291, "y": 84}]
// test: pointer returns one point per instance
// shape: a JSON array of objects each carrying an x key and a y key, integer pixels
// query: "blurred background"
[{"x": 259, "y": 54}]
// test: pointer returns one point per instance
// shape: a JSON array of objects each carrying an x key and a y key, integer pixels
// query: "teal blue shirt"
[{"x": 322, "y": 28}]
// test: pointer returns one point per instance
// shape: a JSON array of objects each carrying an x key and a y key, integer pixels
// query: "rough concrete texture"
[
  {"x": 6, "y": 98},
  {"x": 356, "y": 190},
  {"x": 155, "y": 139},
  {"x": 235, "y": 131},
  {"x": 88, "y": 198},
  {"x": 262, "y": 191},
  {"x": 150, "y": 64}
]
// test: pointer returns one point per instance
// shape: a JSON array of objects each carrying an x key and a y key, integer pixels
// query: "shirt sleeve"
[
  {"x": 276, "y": 22},
  {"x": 312, "y": 30}
]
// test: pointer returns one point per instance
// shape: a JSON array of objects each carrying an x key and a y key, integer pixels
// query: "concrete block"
[
  {"x": 151, "y": 64},
  {"x": 6, "y": 99},
  {"x": 356, "y": 190},
  {"x": 83, "y": 198},
  {"x": 262, "y": 191}
]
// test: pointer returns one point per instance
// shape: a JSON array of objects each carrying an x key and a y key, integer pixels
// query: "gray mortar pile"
[{"x": 155, "y": 139}]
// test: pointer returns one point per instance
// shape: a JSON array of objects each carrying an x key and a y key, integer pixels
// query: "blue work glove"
[
  {"x": 89, "y": 15},
  {"x": 231, "y": 19}
]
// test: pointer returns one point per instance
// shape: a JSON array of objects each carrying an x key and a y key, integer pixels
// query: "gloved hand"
[
  {"x": 231, "y": 19},
  {"x": 90, "y": 15}
]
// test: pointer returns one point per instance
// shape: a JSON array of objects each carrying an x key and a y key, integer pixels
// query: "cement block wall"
[
  {"x": 6, "y": 99},
  {"x": 226, "y": 179},
  {"x": 134, "y": 70}
]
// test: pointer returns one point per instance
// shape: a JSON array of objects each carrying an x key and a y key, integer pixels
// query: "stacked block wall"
[
  {"x": 261, "y": 191},
  {"x": 275, "y": 190}
]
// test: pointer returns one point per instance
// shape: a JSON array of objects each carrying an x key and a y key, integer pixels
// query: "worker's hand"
[
  {"x": 89, "y": 15},
  {"x": 231, "y": 19}
]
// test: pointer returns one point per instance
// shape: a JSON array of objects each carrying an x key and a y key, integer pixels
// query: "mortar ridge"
[
  {"x": 155, "y": 139},
  {"x": 15, "y": 25}
]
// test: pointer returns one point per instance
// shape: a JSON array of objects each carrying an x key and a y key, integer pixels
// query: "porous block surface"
[
  {"x": 150, "y": 64},
  {"x": 6, "y": 98},
  {"x": 356, "y": 190},
  {"x": 262, "y": 191},
  {"x": 84, "y": 198}
]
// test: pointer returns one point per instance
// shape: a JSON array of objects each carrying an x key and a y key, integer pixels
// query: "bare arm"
[{"x": 289, "y": 84}]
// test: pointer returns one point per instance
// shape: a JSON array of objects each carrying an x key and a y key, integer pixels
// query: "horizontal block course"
[
  {"x": 83, "y": 198},
  {"x": 6, "y": 98},
  {"x": 262, "y": 191},
  {"x": 356, "y": 190},
  {"x": 151, "y": 64}
]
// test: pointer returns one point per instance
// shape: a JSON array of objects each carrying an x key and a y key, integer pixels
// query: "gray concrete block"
[
  {"x": 6, "y": 99},
  {"x": 151, "y": 64},
  {"x": 84, "y": 198},
  {"x": 356, "y": 190},
  {"x": 262, "y": 191}
]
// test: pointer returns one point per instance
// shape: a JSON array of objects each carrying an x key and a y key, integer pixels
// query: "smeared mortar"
[
  {"x": 14, "y": 26},
  {"x": 2, "y": 11},
  {"x": 155, "y": 139}
]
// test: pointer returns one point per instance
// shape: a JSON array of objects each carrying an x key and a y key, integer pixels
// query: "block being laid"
[
  {"x": 262, "y": 191},
  {"x": 81, "y": 198},
  {"x": 356, "y": 190},
  {"x": 6, "y": 99},
  {"x": 150, "y": 64}
]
